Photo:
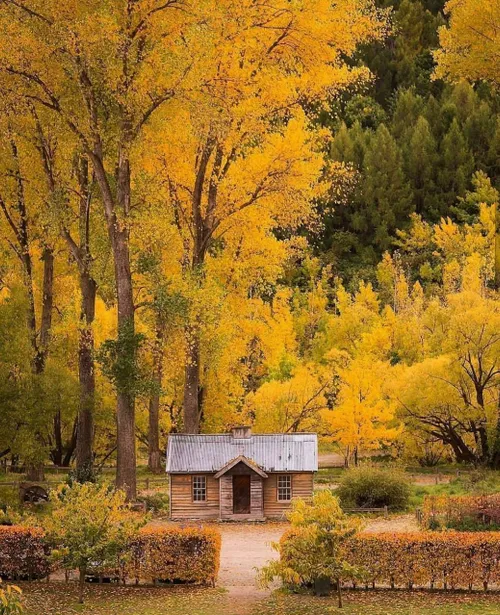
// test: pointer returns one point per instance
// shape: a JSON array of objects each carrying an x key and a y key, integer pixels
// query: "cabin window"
[
  {"x": 199, "y": 488},
  {"x": 284, "y": 488}
]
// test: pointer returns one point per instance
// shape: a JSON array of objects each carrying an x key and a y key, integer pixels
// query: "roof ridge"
[{"x": 229, "y": 435}]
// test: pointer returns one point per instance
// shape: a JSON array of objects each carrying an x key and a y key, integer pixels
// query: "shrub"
[
  {"x": 89, "y": 525},
  {"x": 371, "y": 487},
  {"x": 23, "y": 554},
  {"x": 188, "y": 554},
  {"x": 157, "y": 502},
  {"x": 448, "y": 560},
  {"x": 10, "y": 600},
  {"x": 465, "y": 513},
  {"x": 9, "y": 498},
  {"x": 313, "y": 551}
]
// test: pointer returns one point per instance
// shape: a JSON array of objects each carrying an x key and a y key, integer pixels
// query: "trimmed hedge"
[
  {"x": 447, "y": 560},
  {"x": 188, "y": 555},
  {"x": 185, "y": 555},
  {"x": 457, "y": 512},
  {"x": 23, "y": 554}
]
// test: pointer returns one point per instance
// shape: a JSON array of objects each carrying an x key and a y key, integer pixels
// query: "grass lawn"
[{"x": 60, "y": 599}]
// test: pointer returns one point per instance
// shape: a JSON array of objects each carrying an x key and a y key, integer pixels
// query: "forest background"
[{"x": 326, "y": 265}]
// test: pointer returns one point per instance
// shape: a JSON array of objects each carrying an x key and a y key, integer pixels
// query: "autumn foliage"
[
  {"x": 23, "y": 554},
  {"x": 456, "y": 511},
  {"x": 185, "y": 555},
  {"x": 447, "y": 560},
  {"x": 188, "y": 555}
]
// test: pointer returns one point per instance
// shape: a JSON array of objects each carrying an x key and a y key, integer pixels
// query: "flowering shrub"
[
  {"x": 469, "y": 512},
  {"x": 23, "y": 554}
]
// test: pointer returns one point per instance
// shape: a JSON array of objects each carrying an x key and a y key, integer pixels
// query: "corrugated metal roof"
[{"x": 272, "y": 452}]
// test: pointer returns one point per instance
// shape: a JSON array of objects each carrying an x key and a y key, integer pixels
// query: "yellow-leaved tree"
[
  {"x": 363, "y": 417},
  {"x": 242, "y": 159},
  {"x": 470, "y": 44},
  {"x": 290, "y": 405},
  {"x": 223, "y": 84}
]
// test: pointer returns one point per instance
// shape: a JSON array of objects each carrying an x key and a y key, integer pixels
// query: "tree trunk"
[
  {"x": 495, "y": 453},
  {"x": 118, "y": 236},
  {"x": 154, "y": 455},
  {"x": 485, "y": 447},
  {"x": 339, "y": 594},
  {"x": 47, "y": 305},
  {"x": 125, "y": 413},
  {"x": 154, "y": 458},
  {"x": 57, "y": 451},
  {"x": 71, "y": 445},
  {"x": 192, "y": 383},
  {"x": 81, "y": 584},
  {"x": 85, "y": 430},
  {"x": 201, "y": 239},
  {"x": 34, "y": 472},
  {"x": 35, "y": 469}
]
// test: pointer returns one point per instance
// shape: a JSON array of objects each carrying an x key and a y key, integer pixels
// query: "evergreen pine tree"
[
  {"x": 421, "y": 158},
  {"x": 457, "y": 164},
  {"x": 386, "y": 193}
]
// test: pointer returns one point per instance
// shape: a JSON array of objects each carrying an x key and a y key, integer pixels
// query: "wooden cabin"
[{"x": 239, "y": 476}]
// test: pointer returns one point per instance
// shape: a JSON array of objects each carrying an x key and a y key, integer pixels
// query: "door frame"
[{"x": 248, "y": 480}]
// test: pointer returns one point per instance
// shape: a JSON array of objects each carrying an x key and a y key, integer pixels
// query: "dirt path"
[{"x": 245, "y": 548}]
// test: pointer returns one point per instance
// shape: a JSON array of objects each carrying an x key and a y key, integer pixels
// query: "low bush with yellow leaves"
[{"x": 11, "y": 602}]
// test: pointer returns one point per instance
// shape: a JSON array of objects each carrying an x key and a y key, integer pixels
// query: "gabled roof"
[
  {"x": 188, "y": 453},
  {"x": 236, "y": 461}
]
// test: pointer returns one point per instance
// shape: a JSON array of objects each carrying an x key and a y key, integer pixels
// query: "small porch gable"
[{"x": 241, "y": 459}]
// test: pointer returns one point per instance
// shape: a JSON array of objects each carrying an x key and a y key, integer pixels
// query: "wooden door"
[{"x": 241, "y": 494}]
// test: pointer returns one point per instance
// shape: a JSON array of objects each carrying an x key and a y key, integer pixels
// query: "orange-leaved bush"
[
  {"x": 187, "y": 554},
  {"x": 461, "y": 511},
  {"x": 448, "y": 560},
  {"x": 23, "y": 554}
]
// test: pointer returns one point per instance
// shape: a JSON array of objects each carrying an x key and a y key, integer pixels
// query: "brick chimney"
[{"x": 241, "y": 433}]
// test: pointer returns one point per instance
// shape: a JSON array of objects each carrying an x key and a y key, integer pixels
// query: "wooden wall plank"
[{"x": 182, "y": 505}]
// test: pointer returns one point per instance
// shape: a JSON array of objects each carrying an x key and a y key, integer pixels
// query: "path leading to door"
[{"x": 245, "y": 548}]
